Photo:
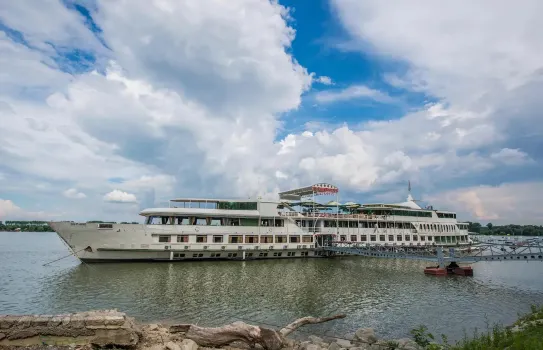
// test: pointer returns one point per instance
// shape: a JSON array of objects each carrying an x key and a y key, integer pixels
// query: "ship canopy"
[{"x": 313, "y": 190}]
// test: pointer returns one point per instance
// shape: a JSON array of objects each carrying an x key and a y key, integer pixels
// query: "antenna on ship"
[{"x": 409, "y": 196}]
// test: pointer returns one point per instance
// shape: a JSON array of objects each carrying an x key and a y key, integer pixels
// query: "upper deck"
[{"x": 300, "y": 203}]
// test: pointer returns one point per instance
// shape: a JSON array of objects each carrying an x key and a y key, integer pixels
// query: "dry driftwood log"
[{"x": 269, "y": 339}]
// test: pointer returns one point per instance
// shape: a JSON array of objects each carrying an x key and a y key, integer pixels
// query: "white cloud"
[
  {"x": 511, "y": 156},
  {"x": 117, "y": 196},
  {"x": 73, "y": 194},
  {"x": 280, "y": 175},
  {"x": 324, "y": 80},
  {"x": 483, "y": 57},
  {"x": 59, "y": 29},
  {"x": 351, "y": 93},
  {"x": 10, "y": 211},
  {"x": 508, "y": 203}
]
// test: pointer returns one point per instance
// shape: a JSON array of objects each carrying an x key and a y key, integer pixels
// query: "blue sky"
[{"x": 109, "y": 107}]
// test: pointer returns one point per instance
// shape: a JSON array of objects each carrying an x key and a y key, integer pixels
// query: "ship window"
[
  {"x": 415, "y": 238},
  {"x": 391, "y": 238},
  {"x": 182, "y": 239},
  {"x": 266, "y": 239},
  {"x": 215, "y": 222},
  {"x": 429, "y": 238},
  {"x": 201, "y": 221},
  {"x": 353, "y": 224},
  {"x": 217, "y": 239},
  {"x": 331, "y": 223},
  {"x": 234, "y": 222},
  {"x": 364, "y": 238},
  {"x": 263, "y": 254},
  {"x": 373, "y": 238},
  {"x": 109, "y": 226},
  {"x": 343, "y": 238},
  {"x": 280, "y": 239},
  {"x": 278, "y": 223},
  {"x": 294, "y": 239},
  {"x": 277, "y": 254},
  {"x": 201, "y": 239},
  {"x": 353, "y": 238},
  {"x": 154, "y": 220},
  {"x": 422, "y": 238},
  {"x": 382, "y": 238},
  {"x": 407, "y": 238},
  {"x": 251, "y": 239},
  {"x": 307, "y": 239},
  {"x": 235, "y": 239},
  {"x": 268, "y": 222},
  {"x": 164, "y": 239},
  {"x": 399, "y": 238},
  {"x": 182, "y": 220},
  {"x": 237, "y": 205}
]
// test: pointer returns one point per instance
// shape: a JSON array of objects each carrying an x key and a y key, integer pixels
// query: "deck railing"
[{"x": 333, "y": 216}]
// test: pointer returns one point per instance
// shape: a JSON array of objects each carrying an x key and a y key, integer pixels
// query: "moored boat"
[{"x": 294, "y": 226}]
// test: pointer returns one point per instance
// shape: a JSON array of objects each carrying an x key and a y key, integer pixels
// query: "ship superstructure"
[{"x": 296, "y": 225}]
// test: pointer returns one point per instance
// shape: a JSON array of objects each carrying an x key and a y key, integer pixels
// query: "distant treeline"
[
  {"x": 40, "y": 226},
  {"x": 513, "y": 230},
  {"x": 26, "y": 226}
]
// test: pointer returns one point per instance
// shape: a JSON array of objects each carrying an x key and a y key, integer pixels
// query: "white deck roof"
[
  {"x": 199, "y": 211},
  {"x": 316, "y": 189},
  {"x": 211, "y": 200}
]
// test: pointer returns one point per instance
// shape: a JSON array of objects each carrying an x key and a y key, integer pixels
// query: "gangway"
[{"x": 467, "y": 254}]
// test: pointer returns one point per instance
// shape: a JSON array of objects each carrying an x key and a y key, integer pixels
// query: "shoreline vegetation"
[
  {"x": 474, "y": 227},
  {"x": 113, "y": 329}
]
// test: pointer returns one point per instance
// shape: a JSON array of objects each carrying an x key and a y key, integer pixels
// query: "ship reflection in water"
[{"x": 391, "y": 296}]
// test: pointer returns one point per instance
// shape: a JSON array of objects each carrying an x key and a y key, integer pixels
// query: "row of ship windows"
[
  {"x": 236, "y": 239},
  {"x": 418, "y": 213},
  {"x": 396, "y": 225},
  {"x": 235, "y": 255},
  {"x": 297, "y": 239},
  {"x": 212, "y": 221},
  {"x": 399, "y": 238}
]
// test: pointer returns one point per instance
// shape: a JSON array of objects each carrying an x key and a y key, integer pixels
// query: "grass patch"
[{"x": 529, "y": 337}]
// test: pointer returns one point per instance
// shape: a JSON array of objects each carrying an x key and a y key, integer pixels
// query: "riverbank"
[{"x": 110, "y": 328}]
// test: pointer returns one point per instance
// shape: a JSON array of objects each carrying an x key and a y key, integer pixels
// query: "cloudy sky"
[{"x": 107, "y": 107}]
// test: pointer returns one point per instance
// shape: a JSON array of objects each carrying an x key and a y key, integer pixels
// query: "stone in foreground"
[
  {"x": 365, "y": 336},
  {"x": 102, "y": 328}
]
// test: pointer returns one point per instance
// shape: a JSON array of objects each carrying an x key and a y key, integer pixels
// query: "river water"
[{"x": 392, "y": 296}]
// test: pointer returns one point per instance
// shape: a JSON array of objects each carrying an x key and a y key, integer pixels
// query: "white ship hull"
[{"x": 140, "y": 242}]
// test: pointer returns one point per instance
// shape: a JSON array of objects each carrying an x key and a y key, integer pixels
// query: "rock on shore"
[{"x": 112, "y": 328}]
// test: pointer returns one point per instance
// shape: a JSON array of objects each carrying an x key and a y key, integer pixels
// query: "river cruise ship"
[{"x": 294, "y": 226}]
